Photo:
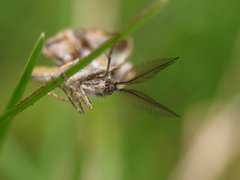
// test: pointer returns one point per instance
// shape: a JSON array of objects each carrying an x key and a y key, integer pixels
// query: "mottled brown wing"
[
  {"x": 69, "y": 45},
  {"x": 46, "y": 73},
  {"x": 122, "y": 72}
]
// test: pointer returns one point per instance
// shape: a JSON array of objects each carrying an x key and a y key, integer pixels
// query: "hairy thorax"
[{"x": 99, "y": 86}]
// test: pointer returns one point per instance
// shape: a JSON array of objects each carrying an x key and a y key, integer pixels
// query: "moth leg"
[
  {"x": 73, "y": 97},
  {"x": 77, "y": 88},
  {"x": 75, "y": 85},
  {"x": 76, "y": 94},
  {"x": 55, "y": 95},
  {"x": 72, "y": 94},
  {"x": 85, "y": 99},
  {"x": 59, "y": 97}
]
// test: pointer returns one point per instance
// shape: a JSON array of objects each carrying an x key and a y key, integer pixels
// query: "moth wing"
[
  {"x": 123, "y": 72},
  {"x": 149, "y": 69},
  {"x": 121, "y": 50},
  {"x": 69, "y": 45},
  {"x": 46, "y": 73},
  {"x": 143, "y": 101}
]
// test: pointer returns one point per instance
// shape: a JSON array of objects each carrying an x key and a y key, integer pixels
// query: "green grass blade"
[
  {"x": 143, "y": 17},
  {"x": 26, "y": 75},
  {"x": 22, "y": 84},
  {"x": 134, "y": 24}
]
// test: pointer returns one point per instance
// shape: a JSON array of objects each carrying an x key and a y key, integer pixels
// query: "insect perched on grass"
[{"x": 106, "y": 75}]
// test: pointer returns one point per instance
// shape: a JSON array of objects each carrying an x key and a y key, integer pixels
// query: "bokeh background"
[{"x": 51, "y": 141}]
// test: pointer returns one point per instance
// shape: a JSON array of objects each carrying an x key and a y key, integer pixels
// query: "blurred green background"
[{"x": 50, "y": 140}]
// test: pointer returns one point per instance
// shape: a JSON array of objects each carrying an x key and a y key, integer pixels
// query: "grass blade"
[
  {"x": 19, "y": 90},
  {"x": 22, "y": 84},
  {"x": 134, "y": 24}
]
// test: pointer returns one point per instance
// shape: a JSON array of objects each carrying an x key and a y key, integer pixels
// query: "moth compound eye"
[{"x": 111, "y": 87}]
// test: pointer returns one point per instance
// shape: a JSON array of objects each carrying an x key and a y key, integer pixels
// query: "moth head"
[{"x": 110, "y": 86}]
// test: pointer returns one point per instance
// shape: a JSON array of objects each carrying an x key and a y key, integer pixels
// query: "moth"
[{"x": 106, "y": 75}]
